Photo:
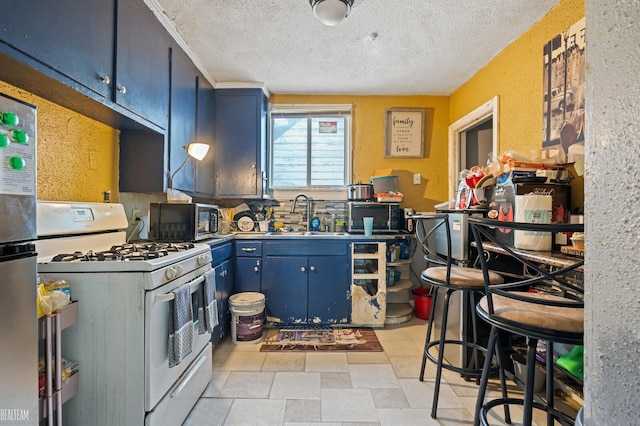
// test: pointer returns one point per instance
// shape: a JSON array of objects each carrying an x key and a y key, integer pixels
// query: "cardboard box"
[{"x": 503, "y": 202}]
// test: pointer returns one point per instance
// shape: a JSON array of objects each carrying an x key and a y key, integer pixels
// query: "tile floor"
[{"x": 249, "y": 387}]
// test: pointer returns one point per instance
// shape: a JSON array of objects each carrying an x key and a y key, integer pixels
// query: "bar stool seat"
[
  {"x": 460, "y": 278},
  {"x": 553, "y": 318}
]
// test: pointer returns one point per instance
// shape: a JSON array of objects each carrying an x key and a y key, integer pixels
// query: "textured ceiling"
[{"x": 383, "y": 47}]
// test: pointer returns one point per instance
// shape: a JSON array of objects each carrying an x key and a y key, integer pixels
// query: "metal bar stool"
[
  {"x": 556, "y": 317},
  {"x": 442, "y": 274}
]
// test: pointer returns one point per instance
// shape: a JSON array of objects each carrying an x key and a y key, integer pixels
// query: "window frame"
[{"x": 311, "y": 110}]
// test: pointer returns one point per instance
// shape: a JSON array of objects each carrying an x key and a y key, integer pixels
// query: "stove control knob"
[
  {"x": 171, "y": 272},
  {"x": 203, "y": 259},
  {"x": 179, "y": 269}
]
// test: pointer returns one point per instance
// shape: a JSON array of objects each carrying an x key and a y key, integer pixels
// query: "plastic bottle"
[{"x": 315, "y": 222}]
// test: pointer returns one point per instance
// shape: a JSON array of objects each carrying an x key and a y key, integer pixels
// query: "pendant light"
[{"x": 331, "y": 12}]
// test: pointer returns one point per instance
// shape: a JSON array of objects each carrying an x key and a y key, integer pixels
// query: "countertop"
[
  {"x": 554, "y": 258},
  {"x": 314, "y": 235}
]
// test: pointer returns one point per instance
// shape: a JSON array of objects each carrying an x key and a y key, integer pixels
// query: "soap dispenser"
[{"x": 315, "y": 222}]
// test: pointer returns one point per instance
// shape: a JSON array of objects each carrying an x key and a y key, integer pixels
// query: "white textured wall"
[{"x": 612, "y": 209}]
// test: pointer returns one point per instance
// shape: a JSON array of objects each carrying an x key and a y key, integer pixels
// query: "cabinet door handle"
[
  {"x": 312, "y": 268},
  {"x": 122, "y": 89},
  {"x": 303, "y": 269},
  {"x": 105, "y": 79},
  {"x": 248, "y": 249},
  {"x": 256, "y": 269}
]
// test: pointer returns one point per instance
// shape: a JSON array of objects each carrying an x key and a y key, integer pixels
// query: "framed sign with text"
[{"x": 404, "y": 133}]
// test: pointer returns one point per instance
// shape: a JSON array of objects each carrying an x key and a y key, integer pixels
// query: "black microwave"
[
  {"x": 387, "y": 217},
  {"x": 182, "y": 221}
]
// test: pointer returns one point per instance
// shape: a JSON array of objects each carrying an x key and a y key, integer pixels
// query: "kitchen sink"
[
  {"x": 307, "y": 234},
  {"x": 339, "y": 234},
  {"x": 286, "y": 234}
]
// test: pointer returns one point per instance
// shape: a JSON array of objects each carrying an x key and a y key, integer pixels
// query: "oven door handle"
[{"x": 169, "y": 296}]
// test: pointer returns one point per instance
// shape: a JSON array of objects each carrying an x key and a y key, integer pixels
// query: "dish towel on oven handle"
[
  {"x": 208, "y": 309},
  {"x": 180, "y": 325}
]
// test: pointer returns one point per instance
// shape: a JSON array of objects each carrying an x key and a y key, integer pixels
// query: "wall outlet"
[
  {"x": 135, "y": 215},
  {"x": 416, "y": 178}
]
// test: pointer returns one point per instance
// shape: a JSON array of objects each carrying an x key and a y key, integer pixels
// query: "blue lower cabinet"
[
  {"x": 248, "y": 265},
  {"x": 329, "y": 296},
  {"x": 248, "y": 274},
  {"x": 306, "y": 289},
  {"x": 224, "y": 289},
  {"x": 222, "y": 263},
  {"x": 285, "y": 289}
]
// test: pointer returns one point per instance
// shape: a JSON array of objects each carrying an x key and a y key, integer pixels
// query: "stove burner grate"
[{"x": 126, "y": 252}]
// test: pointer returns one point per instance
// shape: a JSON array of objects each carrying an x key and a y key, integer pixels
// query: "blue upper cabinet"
[
  {"x": 240, "y": 143},
  {"x": 182, "y": 121},
  {"x": 106, "y": 59},
  {"x": 74, "y": 38},
  {"x": 192, "y": 117},
  {"x": 142, "y": 63},
  {"x": 205, "y": 133}
]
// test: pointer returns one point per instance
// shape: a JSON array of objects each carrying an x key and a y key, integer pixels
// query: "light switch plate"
[{"x": 416, "y": 178}]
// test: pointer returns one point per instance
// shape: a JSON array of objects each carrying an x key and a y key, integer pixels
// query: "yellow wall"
[
  {"x": 515, "y": 76},
  {"x": 368, "y": 142},
  {"x": 77, "y": 156}
]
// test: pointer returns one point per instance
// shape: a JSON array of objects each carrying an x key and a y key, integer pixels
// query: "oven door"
[
  {"x": 174, "y": 408},
  {"x": 159, "y": 378}
]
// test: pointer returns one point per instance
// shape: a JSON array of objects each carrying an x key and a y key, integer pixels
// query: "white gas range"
[{"x": 124, "y": 293}]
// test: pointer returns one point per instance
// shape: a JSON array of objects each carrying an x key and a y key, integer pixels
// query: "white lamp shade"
[
  {"x": 331, "y": 12},
  {"x": 197, "y": 150}
]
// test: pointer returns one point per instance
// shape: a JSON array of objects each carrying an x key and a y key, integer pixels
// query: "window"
[{"x": 310, "y": 148}]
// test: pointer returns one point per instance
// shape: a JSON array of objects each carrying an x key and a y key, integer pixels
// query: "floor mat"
[{"x": 321, "y": 339}]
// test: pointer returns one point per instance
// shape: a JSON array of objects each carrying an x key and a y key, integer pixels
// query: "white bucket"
[{"x": 247, "y": 317}]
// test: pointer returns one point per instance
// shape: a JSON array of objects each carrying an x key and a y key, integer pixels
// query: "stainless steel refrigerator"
[{"x": 18, "y": 314}]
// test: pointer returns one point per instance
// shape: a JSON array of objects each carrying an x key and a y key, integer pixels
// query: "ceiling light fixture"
[{"x": 331, "y": 12}]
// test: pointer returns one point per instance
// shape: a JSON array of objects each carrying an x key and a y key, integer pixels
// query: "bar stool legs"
[
  {"x": 434, "y": 298},
  {"x": 443, "y": 331},
  {"x": 493, "y": 349},
  {"x": 549, "y": 382},
  {"x": 528, "y": 388},
  {"x": 473, "y": 368}
]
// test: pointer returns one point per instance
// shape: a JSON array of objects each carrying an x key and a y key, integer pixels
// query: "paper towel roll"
[{"x": 532, "y": 208}]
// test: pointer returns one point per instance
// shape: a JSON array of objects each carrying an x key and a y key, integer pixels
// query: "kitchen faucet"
[{"x": 293, "y": 207}]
